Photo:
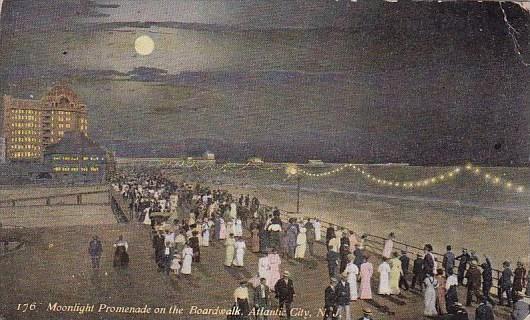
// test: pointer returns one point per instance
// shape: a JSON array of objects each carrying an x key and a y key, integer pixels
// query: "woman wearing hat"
[
  {"x": 430, "y": 295},
  {"x": 395, "y": 273},
  {"x": 352, "y": 271},
  {"x": 301, "y": 243},
  {"x": 519, "y": 277},
  {"x": 121, "y": 257},
  {"x": 384, "y": 275},
  {"x": 366, "y": 272}
]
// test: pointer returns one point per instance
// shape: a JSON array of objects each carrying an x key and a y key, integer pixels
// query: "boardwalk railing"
[
  {"x": 376, "y": 243},
  {"x": 18, "y": 202},
  {"x": 5, "y": 240},
  {"x": 120, "y": 207}
]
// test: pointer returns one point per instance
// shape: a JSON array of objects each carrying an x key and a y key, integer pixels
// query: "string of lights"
[
  {"x": 294, "y": 170},
  {"x": 494, "y": 179},
  {"x": 444, "y": 177},
  {"x": 428, "y": 181}
]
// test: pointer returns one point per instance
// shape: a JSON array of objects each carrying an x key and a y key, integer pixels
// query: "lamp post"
[
  {"x": 292, "y": 171},
  {"x": 298, "y": 179}
]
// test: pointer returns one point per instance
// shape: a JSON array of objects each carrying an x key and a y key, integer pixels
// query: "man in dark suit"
[
  {"x": 261, "y": 298},
  {"x": 95, "y": 249},
  {"x": 417, "y": 271},
  {"x": 405, "y": 262},
  {"x": 343, "y": 297},
  {"x": 284, "y": 289},
  {"x": 330, "y": 301},
  {"x": 333, "y": 261}
]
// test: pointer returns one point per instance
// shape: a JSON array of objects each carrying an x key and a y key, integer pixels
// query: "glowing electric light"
[
  {"x": 292, "y": 170},
  {"x": 520, "y": 189},
  {"x": 144, "y": 45},
  {"x": 468, "y": 166},
  {"x": 496, "y": 180}
]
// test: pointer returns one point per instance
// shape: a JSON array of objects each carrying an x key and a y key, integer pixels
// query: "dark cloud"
[{"x": 287, "y": 80}]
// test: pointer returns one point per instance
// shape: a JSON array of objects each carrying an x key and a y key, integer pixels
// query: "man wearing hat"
[
  {"x": 405, "y": 262},
  {"x": 284, "y": 289},
  {"x": 333, "y": 258},
  {"x": 506, "y": 284},
  {"x": 457, "y": 312},
  {"x": 484, "y": 310},
  {"x": 474, "y": 280},
  {"x": 464, "y": 259},
  {"x": 343, "y": 297},
  {"x": 487, "y": 279},
  {"x": 367, "y": 314},
  {"x": 417, "y": 270},
  {"x": 330, "y": 301},
  {"x": 448, "y": 261},
  {"x": 521, "y": 307},
  {"x": 95, "y": 249},
  {"x": 261, "y": 298}
]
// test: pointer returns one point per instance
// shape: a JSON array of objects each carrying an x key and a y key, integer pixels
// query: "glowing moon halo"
[{"x": 144, "y": 45}]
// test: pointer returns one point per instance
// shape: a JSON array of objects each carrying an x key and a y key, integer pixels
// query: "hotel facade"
[{"x": 30, "y": 126}]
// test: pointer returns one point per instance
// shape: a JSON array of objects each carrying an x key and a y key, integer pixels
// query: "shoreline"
[{"x": 499, "y": 239}]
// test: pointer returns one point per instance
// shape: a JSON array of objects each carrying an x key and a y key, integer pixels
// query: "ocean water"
[{"x": 468, "y": 192}]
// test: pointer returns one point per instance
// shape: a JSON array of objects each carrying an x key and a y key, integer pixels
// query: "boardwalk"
[{"x": 56, "y": 269}]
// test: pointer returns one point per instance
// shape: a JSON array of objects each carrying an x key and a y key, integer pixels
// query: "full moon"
[{"x": 144, "y": 45}]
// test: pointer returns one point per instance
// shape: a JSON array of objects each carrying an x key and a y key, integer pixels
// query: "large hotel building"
[{"x": 29, "y": 126}]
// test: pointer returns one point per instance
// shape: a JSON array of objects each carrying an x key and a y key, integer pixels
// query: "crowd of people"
[{"x": 186, "y": 217}]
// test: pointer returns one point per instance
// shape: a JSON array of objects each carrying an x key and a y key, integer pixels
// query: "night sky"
[{"x": 423, "y": 83}]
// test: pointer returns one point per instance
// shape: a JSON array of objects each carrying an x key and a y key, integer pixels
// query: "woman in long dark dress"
[
  {"x": 194, "y": 244},
  {"x": 121, "y": 257}
]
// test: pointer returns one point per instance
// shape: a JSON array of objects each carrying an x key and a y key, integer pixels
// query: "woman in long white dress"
[
  {"x": 229, "y": 250},
  {"x": 222, "y": 229},
  {"x": 389, "y": 246},
  {"x": 352, "y": 270},
  {"x": 187, "y": 256},
  {"x": 318, "y": 230},
  {"x": 205, "y": 234},
  {"x": 301, "y": 243},
  {"x": 240, "y": 247},
  {"x": 395, "y": 274},
  {"x": 384, "y": 272},
  {"x": 238, "y": 228},
  {"x": 233, "y": 210},
  {"x": 430, "y": 295},
  {"x": 147, "y": 218},
  {"x": 175, "y": 264},
  {"x": 264, "y": 267},
  {"x": 230, "y": 227},
  {"x": 274, "y": 268}
]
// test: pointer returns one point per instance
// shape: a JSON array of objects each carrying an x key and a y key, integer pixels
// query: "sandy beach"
[{"x": 414, "y": 223}]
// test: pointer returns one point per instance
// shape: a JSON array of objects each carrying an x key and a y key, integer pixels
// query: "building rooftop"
[{"x": 74, "y": 141}]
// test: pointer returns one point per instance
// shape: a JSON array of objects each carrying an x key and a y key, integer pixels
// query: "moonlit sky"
[{"x": 286, "y": 80}]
